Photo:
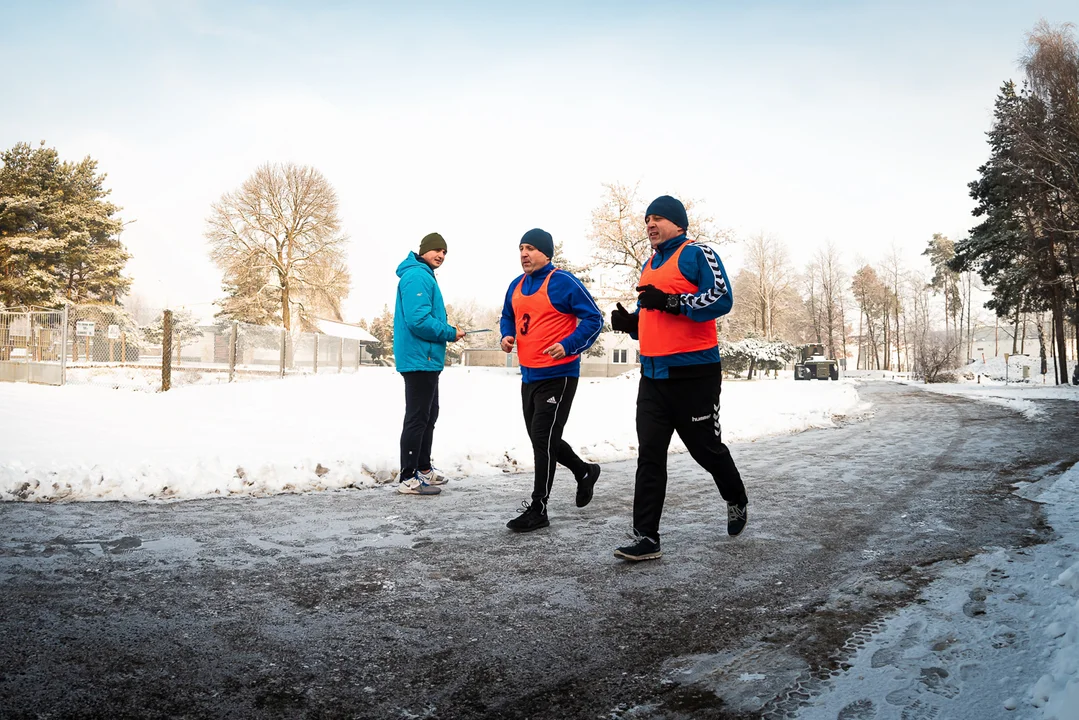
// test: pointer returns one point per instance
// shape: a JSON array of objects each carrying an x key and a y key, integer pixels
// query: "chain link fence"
[{"x": 103, "y": 345}]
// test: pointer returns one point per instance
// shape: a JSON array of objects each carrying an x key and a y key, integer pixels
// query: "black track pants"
[
  {"x": 546, "y": 407},
  {"x": 421, "y": 412},
  {"x": 690, "y": 407}
]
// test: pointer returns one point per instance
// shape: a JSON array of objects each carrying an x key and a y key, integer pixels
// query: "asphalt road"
[{"x": 369, "y": 604}]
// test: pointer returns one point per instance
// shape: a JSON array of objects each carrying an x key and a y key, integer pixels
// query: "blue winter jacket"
[
  {"x": 568, "y": 296},
  {"x": 420, "y": 330},
  {"x": 701, "y": 266}
]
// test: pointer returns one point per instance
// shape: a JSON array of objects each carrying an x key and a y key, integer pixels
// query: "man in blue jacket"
[
  {"x": 551, "y": 318},
  {"x": 420, "y": 334},
  {"x": 683, "y": 290}
]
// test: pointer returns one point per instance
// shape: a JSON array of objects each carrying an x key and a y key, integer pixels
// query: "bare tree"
[
  {"x": 871, "y": 296},
  {"x": 826, "y": 281},
  {"x": 283, "y": 220},
  {"x": 766, "y": 278},
  {"x": 811, "y": 303},
  {"x": 319, "y": 296},
  {"x": 618, "y": 234},
  {"x": 940, "y": 252},
  {"x": 892, "y": 272},
  {"x": 918, "y": 290}
]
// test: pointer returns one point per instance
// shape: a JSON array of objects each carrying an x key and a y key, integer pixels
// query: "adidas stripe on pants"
[{"x": 546, "y": 406}]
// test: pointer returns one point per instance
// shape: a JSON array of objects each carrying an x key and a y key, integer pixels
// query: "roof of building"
[{"x": 344, "y": 330}]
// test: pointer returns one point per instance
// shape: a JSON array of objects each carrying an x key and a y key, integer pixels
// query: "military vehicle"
[{"x": 814, "y": 364}]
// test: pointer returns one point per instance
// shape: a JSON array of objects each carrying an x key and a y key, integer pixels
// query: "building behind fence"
[{"x": 102, "y": 345}]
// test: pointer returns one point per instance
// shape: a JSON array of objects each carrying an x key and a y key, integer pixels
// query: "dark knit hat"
[
  {"x": 539, "y": 239},
  {"x": 433, "y": 241},
  {"x": 671, "y": 208}
]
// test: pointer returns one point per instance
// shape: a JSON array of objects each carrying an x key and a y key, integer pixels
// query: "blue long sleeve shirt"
[
  {"x": 700, "y": 265},
  {"x": 568, "y": 296}
]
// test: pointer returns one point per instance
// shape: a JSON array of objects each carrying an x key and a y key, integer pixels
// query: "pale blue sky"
[{"x": 859, "y": 123}]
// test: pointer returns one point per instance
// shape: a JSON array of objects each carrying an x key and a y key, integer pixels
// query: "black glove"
[
  {"x": 624, "y": 321},
  {"x": 652, "y": 298}
]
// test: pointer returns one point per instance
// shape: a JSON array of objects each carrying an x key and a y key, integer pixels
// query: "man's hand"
[
  {"x": 623, "y": 320},
  {"x": 652, "y": 298},
  {"x": 460, "y": 334},
  {"x": 556, "y": 351},
  {"x": 507, "y": 344}
]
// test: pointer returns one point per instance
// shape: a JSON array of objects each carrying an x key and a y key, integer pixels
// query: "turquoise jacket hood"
[{"x": 420, "y": 330}]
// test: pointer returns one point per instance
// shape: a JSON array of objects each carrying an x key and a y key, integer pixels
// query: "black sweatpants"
[
  {"x": 690, "y": 407},
  {"x": 421, "y": 412},
  {"x": 546, "y": 407}
]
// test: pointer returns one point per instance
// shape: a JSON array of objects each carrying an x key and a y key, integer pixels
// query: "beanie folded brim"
[
  {"x": 541, "y": 240},
  {"x": 432, "y": 241},
  {"x": 671, "y": 208}
]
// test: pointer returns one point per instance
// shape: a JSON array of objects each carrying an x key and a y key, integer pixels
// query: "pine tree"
[
  {"x": 184, "y": 329},
  {"x": 382, "y": 329},
  {"x": 59, "y": 235},
  {"x": 251, "y": 296}
]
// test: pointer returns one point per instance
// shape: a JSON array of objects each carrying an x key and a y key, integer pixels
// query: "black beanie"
[
  {"x": 671, "y": 208},
  {"x": 432, "y": 241},
  {"x": 539, "y": 239}
]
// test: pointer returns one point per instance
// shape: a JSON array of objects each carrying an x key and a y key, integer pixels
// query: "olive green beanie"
[{"x": 432, "y": 241}]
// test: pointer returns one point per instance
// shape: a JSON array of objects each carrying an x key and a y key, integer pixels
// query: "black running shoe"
[
  {"x": 643, "y": 549},
  {"x": 586, "y": 484},
  {"x": 737, "y": 516},
  {"x": 532, "y": 517}
]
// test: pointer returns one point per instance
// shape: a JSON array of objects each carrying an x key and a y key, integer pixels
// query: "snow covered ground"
[
  {"x": 263, "y": 438},
  {"x": 994, "y": 637},
  {"x": 1019, "y": 396}
]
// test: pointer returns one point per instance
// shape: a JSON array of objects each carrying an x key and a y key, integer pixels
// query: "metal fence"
[
  {"x": 32, "y": 345},
  {"x": 103, "y": 345}
]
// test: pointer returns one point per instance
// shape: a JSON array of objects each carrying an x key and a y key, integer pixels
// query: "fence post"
[
  {"x": 232, "y": 349},
  {"x": 284, "y": 335},
  {"x": 340, "y": 355},
  {"x": 123, "y": 347},
  {"x": 166, "y": 350},
  {"x": 315, "y": 364},
  {"x": 63, "y": 350},
  {"x": 359, "y": 353}
]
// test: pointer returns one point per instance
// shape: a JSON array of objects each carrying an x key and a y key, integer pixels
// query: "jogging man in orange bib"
[
  {"x": 683, "y": 289},
  {"x": 551, "y": 318}
]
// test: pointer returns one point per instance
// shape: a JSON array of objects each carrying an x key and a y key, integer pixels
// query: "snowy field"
[{"x": 264, "y": 438}]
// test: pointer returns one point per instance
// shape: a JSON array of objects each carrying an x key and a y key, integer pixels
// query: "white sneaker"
[
  {"x": 415, "y": 486},
  {"x": 434, "y": 476}
]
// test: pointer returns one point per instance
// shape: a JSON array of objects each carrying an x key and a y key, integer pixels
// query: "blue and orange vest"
[
  {"x": 661, "y": 333},
  {"x": 539, "y": 326}
]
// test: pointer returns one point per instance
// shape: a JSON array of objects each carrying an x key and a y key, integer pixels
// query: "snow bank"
[
  {"x": 1015, "y": 396},
  {"x": 994, "y": 637},
  {"x": 325, "y": 432}
]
